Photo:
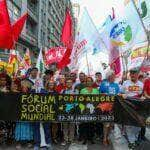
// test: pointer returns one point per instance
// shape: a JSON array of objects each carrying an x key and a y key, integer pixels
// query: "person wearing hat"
[{"x": 132, "y": 88}]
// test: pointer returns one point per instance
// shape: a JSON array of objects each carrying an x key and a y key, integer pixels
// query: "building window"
[{"x": 14, "y": 11}]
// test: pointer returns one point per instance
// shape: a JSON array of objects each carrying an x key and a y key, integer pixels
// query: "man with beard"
[{"x": 133, "y": 88}]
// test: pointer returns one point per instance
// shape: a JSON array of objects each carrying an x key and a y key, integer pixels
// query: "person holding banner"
[
  {"x": 69, "y": 128},
  {"x": 5, "y": 126},
  {"x": 108, "y": 86},
  {"x": 40, "y": 139},
  {"x": 61, "y": 84},
  {"x": 133, "y": 88},
  {"x": 4, "y": 87},
  {"x": 81, "y": 84},
  {"x": 54, "y": 126},
  {"x": 98, "y": 80},
  {"x": 88, "y": 128},
  {"x": 23, "y": 130}
]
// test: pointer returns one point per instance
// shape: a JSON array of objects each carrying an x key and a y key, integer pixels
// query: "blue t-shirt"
[{"x": 109, "y": 88}]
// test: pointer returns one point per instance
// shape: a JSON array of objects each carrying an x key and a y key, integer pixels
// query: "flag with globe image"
[{"x": 125, "y": 31}]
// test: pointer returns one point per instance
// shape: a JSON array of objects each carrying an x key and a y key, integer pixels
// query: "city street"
[
  {"x": 75, "y": 74},
  {"x": 117, "y": 143}
]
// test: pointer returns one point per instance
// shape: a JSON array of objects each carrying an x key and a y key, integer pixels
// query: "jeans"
[
  {"x": 37, "y": 135},
  {"x": 69, "y": 131},
  {"x": 132, "y": 133}
]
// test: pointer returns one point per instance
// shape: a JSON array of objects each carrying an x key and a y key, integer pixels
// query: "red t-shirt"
[
  {"x": 96, "y": 85},
  {"x": 60, "y": 88},
  {"x": 147, "y": 86}
]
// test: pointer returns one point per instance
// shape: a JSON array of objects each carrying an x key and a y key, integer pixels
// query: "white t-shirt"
[
  {"x": 132, "y": 89},
  {"x": 38, "y": 83}
]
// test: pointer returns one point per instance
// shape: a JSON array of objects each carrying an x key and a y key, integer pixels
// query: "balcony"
[
  {"x": 30, "y": 38},
  {"x": 33, "y": 12}
]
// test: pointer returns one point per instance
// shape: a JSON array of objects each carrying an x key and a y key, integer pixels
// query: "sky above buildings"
[{"x": 99, "y": 9}]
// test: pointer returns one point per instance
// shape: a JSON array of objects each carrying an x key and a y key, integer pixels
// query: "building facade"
[{"x": 43, "y": 26}]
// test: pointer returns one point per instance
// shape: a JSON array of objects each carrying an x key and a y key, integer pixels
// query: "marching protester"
[
  {"x": 5, "y": 126},
  {"x": 82, "y": 81},
  {"x": 99, "y": 125},
  {"x": 51, "y": 88},
  {"x": 108, "y": 86},
  {"x": 38, "y": 87},
  {"x": 69, "y": 128},
  {"x": 88, "y": 128},
  {"x": 146, "y": 94},
  {"x": 98, "y": 80},
  {"x": 23, "y": 130},
  {"x": 30, "y": 133},
  {"x": 133, "y": 88},
  {"x": 61, "y": 84}
]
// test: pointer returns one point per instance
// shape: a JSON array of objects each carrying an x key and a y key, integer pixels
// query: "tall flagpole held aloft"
[
  {"x": 87, "y": 63},
  {"x": 148, "y": 38}
]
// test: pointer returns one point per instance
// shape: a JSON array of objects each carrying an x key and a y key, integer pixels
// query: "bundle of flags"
[{"x": 16, "y": 62}]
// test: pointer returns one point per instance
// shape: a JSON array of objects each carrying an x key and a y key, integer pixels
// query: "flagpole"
[
  {"x": 143, "y": 26},
  {"x": 87, "y": 62}
]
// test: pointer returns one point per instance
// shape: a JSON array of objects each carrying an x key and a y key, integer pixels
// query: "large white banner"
[{"x": 87, "y": 45}]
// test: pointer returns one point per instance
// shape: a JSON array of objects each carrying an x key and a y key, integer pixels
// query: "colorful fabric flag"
[
  {"x": 27, "y": 59},
  {"x": 87, "y": 42},
  {"x": 130, "y": 34},
  {"x": 137, "y": 56},
  {"x": 65, "y": 60},
  {"x": 54, "y": 54},
  {"x": 66, "y": 36},
  {"x": 18, "y": 26},
  {"x": 112, "y": 46},
  {"x": 13, "y": 61},
  {"x": 40, "y": 62},
  {"x": 5, "y": 27},
  {"x": 13, "y": 57},
  {"x": 143, "y": 7},
  {"x": 9, "y": 34}
]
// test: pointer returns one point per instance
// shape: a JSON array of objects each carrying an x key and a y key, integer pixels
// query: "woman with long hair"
[{"x": 23, "y": 130}]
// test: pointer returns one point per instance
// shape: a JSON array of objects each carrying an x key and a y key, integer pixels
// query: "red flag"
[
  {"x": 6, "y": 41},
  {"x": 18, "y": 26},
  {"x": 66, "y": 36},
  {"x": 116, "y": 66},
  {"x": 54, "y": 54},
  {"x": 65, "y": 60},
  {"x": 114, "y": 60}
]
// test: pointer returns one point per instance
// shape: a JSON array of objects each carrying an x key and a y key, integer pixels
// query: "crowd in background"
[{"x": 134, "y": 85}]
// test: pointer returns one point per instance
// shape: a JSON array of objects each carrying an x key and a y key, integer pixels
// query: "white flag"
[
  {"x": 125, "y": 31},
  {"x": 87, "y": 42},
  {"x": 40, "y": 62}
]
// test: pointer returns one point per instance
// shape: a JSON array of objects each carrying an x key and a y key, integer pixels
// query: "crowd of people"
[{"x": 134, "y": 85}]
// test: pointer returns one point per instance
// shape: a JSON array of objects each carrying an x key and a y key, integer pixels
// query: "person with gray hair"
[{"x": 109, "y": 87}]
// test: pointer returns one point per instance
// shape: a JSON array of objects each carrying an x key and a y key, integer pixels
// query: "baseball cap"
[{"x": 135, "y": 70}]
